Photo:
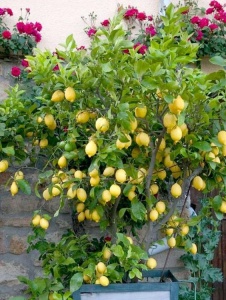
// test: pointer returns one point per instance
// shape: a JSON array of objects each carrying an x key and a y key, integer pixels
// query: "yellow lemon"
[
  {"x": 115, "y": 190},
  {"x": 176, "y": 190},
  {"x": 81, "y": 194},
  {"x": 151, "y": 263},
  {"x": 18, "y": 175},
  {"x": 153, "y": 215},
  {"x": 143, "y": 139},
  {"x": 133, "y": 125},
  {"x": 130, "y": 240},
  {"x": 169, "y": 231},
  {"x": 161, "y": 174},
  {"x": 91, "y": 148},
  {"x": 46, "y": 195},
  {"x": 120, "y": 175},
  {"x": 184, "y": 229},
  {"x": 193, "y": 249},
  {"x": 82, "y": 117},
  {"x": 223, "y": 207},
  {"x": 109, "y": 171},
  {"x": 49, "y": 119},
  {"x": 184, "y": 129},
  {"x": 95, "y": 216},
  {"x": 56, "y": 190},
  {"x": 36, "y": 220},
  {"x": 141, "y": 111},
  {"x": 78, "y": 174},
  {"x": 104, "y": 281},
  {"x": 106, "y": 253},
  {"x": 168, "y": 162},
  {"x": 198, "y": 183},
  {"x": 101, "y": 267},
  {"x": 135, "y": 152},
  {"x": 102, "y": 124},
  {"x": 81, "y": 216},
  {"x": 43, "y": 143},
  {"x": 3, "y": 165},
  {"x": 14, "y": 188},
  {"x": 221, "y": 136},
  {"x": 160, "y": 207},
  {"x": 72, "y": 192},
  {"x": 176, "y": 134},
  {"x": 70, "y": 94},
  {"x": 88, "y": 214},
  {"x": 169, "y": 120},
  {"x": 62, "y": 162},
  {"x": 131, "y": 195},
  {"x": 80, "y": 207},
  {"x": 57, "y": 96},
  {"x": 94, "y": 173},
  {"x": 94, "y": 181},
  {"x": 44, "y": 223},
  {"x": 171, "y": 242},
  {"x": 154, "y": 189},
  {"x": 106, "y": 196}
]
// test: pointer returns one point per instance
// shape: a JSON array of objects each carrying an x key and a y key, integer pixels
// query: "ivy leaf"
[
  {"x": 24, "y": 186},
  {"x": 76, "y": 282}
]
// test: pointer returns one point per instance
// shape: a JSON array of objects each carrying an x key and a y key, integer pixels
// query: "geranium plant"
[
  {"x": 22, "y": 38},
  {"x": 122, "y": 136}
]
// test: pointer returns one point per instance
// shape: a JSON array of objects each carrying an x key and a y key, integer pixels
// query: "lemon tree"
[{"x": 124, "y": 136}]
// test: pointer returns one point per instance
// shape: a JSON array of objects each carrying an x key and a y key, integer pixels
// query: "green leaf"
[
  {"x": 117, "y": 250},
  {"x": 76, "y": 282},
  {"x": 218, "y": 60},
  {"x": 141, "y": 67},
  {"x": 203, "y": 146},
  {"x": 2, "y": 128},
  {"x": 138, "y": 209},
  {"x": 17, "y": 298},
  {"x": 24, "y": 186},
  {"x": 194, "y": 220},
  {"x": 9, "y": 150}
]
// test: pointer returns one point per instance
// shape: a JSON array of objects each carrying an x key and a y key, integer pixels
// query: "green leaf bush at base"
[{"x": 119, "y": 136}]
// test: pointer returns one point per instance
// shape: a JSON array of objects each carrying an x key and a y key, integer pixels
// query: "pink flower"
[
  {"x": 2, "y": 11},
  {"x": 195, "y": 20},
  {"x": 131, "y": 12},
  {"x": 216, "y": 5},
  {"x": 199, "y": 35},
  {"x": 213, "y": 26},
  {"x": 20, "y": 27},
  {"x": 105, "y": 23},
  {"x": 56, "y": 68},
  {"x": 209, "y": 11},
  {"x": 15, "y": 71},
  {"x": 28, "y": 10},
  {"x": 141, "y": 48},
  {"x": 29, "y": 28},
  {"x": 126, "y": 51},
  {"x": 24, "y": 63},
  {"x": 9, "y": 11},
  {"x": 141, "y": 16},
  {"x": 150, "y": 30},
  {"x": 81, "y": 48},
  {"x": 150, "y": 18},
  {"x": 38, "y": 26},
  {"x": 203, "y": 22},
  {"x": 92, "y": 31},
  {"x": 37, "y": 36},
  {"x": 6, "y": 34}
]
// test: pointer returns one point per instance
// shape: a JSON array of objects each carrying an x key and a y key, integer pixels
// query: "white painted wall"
[{"x": 60, "y": 18}]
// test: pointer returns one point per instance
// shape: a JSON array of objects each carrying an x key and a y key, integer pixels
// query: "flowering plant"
[{"x": 22, "y": 38}]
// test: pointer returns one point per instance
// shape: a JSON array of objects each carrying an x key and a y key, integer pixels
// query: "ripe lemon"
[
  {"x": 81, "y": 216},
  {"x": 70, "y": 94},
  {"x": 176, "y": 190},
  {"x": 56, "y": 190},
  {"x": 120, "y": 175},
  {"x": 154, "y": 189},
  {"x": 14, "y": 188},
  {"x": 71, "y": 193},
  {"x": 223, "y": 207},
  {"x": 169, "y": 231},
  {"x": 222, "y": 137},
  {"x": 151, "y": 263},
  {"x": 101, "y": 267},
  {"x": 57, "y": 96},
  {"x": 94, "y": 181},
  {"x": 109, "y": 171},
  {"x": 133, "y": 125},
  {"x": 153, "y": 215},
  {"x": 18, "y": 175},
  {"x": 39, "y": 119},
  {"x": 62, "y": 162},
  {"x": 171, "y": 242},
  {"x": 168, "y": 162},
  {"x": 177, "y": 105},
  {"x": 136, "y": 152},
  {"x": 46, "y": 195},
  {"x": 106, "y": 253},
  {"x": 142, "y": 139},
  {"x": 52, "y": 126},
  {"x": 184, "y": 129},
  {"x": 3, "y": 165},
  {"x": 141, "y": 111},
  {"x": 91, "y": 148},
  {"x": 81, "y": 194},
  {"x": 86, "y": 278},
  {"x": 94, "y": 173},
  {"x": 176, "y": 134},
  {"x": 131, "y": 195},
  {"x": 193, "y": 249},
  {"x": 160, "y": 207},
  {"x": 169, "y": 120},
  {"x": 104, "y": 281},
  {"x": 184, "y": 229},
  {"x": 162, "y": 145},
  {"x": 95, "y": 216},
  {"x": 36, "y": 220},
  {"x": 43, "y": 143},
  {"x": 176, "y": 171},
  {"x": 102, "y": 124},
  {"x": 224, "y": 150},
  {"x": 82, "y": 117},
  {"x": 80, "y": 207},
  {"x": 106, "y": 196},
  {"x": 44, "y": 223},
  {"x": 173, "y": 222},
  {"x": 115, "y": 190},
  {"x": 88, "y": 214},
  {"x": 49, "y": 119},
  {"x": 161, "y": 174},
  {"x": 78, "y": 174},
  {"x": 198, "y": 183},
  {"x": 119, "y": 145}
]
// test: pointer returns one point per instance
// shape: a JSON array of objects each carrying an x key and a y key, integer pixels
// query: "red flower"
[
  {"x": 216, "y": 5},
  {"x": 185, "y": 12},
  {"x": 141, "y": 16},
  {"x": 37, "y": 36},
  {"x": 126, "y": 51},
  {"x": 24, "y": 63},
  {"x": 105, "y": 23},
  {"x": 92, "y": 31},
  {"x": 15, "y": 71},
  {"x": 150, "y": 30},
  {"x": 213, "y": 26},
  {"x": 38, "y": 26},
  {"x": 6, "y": 34},
  {"x": 199, "y": 35},
  {"x": 203, "y": 22},
  {"x": 209, "y": 11},
  {"x": 195, "y": 20},
  {"x": 29, "y": 28},
  {"x": 150, "y": 18},
  {"x": 2, "y": 11},
  {"x": 20, "y": 27},
  {"x": 131, "y": 12},
  {"x": 56, "y": 68},
  {"x": 107, "y": 239},
  {"x": 141, "y": 48},
  {"x": 9, "y": 11}
]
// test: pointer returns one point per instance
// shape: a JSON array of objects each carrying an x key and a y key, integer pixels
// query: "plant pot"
[{"x": 149, "y": 288}]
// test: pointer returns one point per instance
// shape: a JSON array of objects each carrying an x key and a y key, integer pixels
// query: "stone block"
[
  {"x": 9, "y": 272},
  {"x": 15, "y": 221},
  {"x": 17, "y": 245},
  {"x": 3, "y": 247}
]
